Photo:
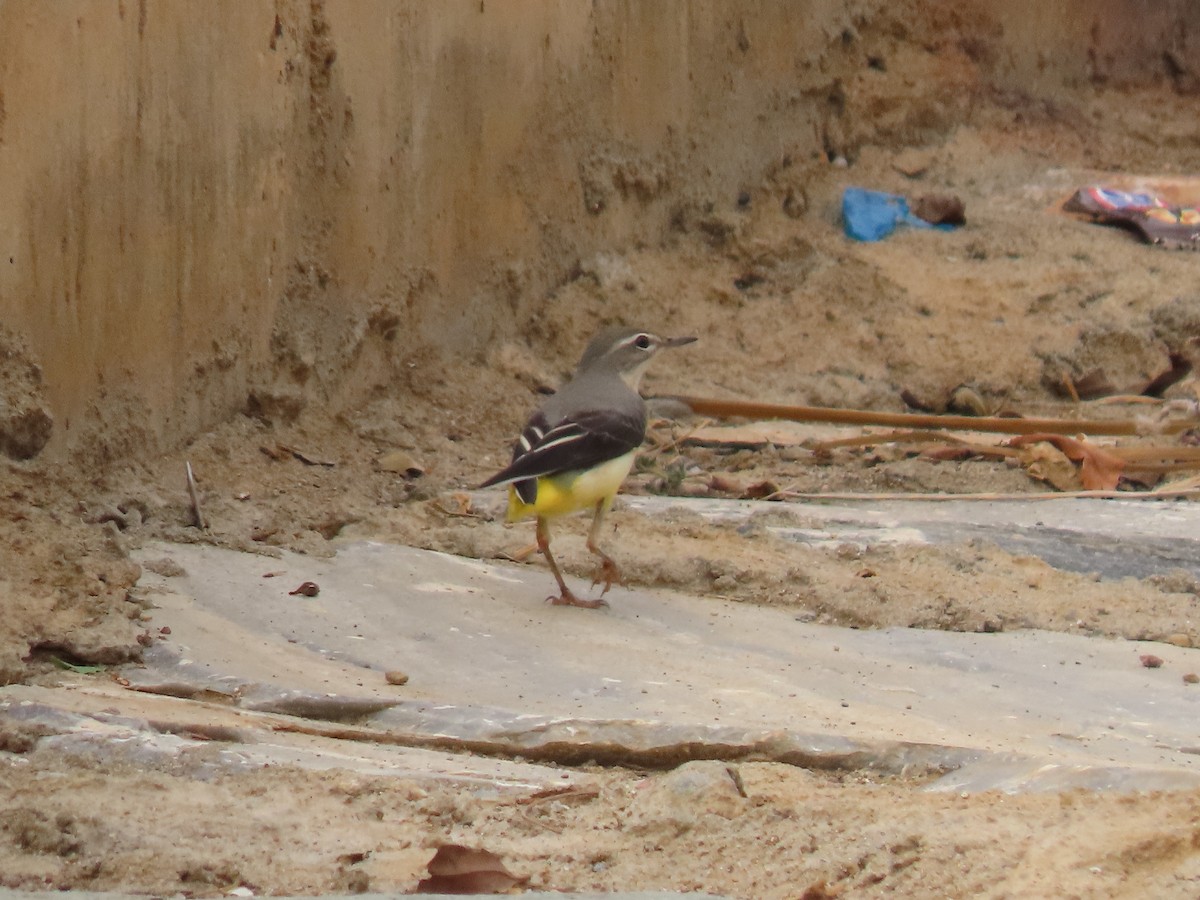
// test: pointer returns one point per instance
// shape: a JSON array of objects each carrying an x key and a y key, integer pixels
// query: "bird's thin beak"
[{"x": 678, "y": 342}]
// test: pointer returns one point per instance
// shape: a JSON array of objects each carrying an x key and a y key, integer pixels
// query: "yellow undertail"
[{"x": 558, "y": 495}]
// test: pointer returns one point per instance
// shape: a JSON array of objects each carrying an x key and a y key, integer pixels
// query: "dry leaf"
[
  {"x": 760, "y": 490},
  {"x": 455, "y": 869},
  {"x": 1049, "y": 464},
  {"x": 306, "y": 589},
  {"x": 1099, "y": 469}
]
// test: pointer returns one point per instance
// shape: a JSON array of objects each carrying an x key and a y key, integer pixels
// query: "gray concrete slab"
[
  {"x": 1113, "y": 538},
  {"x": 94, "y": 719},
  {"x": 661, "y": 677}
]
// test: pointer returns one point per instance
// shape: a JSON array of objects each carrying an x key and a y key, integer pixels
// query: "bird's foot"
[
  {"x": 569, "y": 599},
  {"x": 607, "y": 574}
]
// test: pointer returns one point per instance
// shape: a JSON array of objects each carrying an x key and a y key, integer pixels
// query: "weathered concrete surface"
[
  {"x": 1112, "y": 538},
  {"x": 658, "y": 678},
  {"x": 96, "y": 719}
]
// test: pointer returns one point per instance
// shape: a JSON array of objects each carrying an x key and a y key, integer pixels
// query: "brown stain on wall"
[
  {"x": 225, "y": 206},
  {"x": 140, "y": 218}
]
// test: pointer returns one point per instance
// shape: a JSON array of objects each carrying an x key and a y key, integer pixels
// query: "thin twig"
[
  {"x": 1069, "y": 384},
  {"x": 560, "y": 793},
  {"x": 723, "y": 409},
  {"x": 197, "y": 514},
  {"x": 1160, "y": 494}
]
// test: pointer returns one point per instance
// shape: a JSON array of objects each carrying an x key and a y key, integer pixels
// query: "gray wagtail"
[{"x": 575, "y": 450}]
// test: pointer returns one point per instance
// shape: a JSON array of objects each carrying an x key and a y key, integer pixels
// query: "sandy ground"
[{"x": 787, "y": 310}]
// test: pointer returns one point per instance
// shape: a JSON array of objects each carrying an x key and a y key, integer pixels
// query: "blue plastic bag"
[{"x": 873, "y": 215}]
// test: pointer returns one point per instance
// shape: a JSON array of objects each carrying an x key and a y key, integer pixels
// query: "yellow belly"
[{"x": 567, "y": 492}]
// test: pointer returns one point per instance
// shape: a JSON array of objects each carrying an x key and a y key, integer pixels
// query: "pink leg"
[
  {"x": 565, "y": 597},
  {"x": 608, "y": 573}
]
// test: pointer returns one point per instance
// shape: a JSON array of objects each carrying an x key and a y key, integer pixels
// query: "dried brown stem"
[{"x": 724, "y": 409}]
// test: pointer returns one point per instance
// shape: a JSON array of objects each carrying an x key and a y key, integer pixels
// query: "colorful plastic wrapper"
[{"x": 1147, "y": 214}]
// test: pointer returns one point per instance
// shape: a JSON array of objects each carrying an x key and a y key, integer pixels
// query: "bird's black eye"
[{"x": 642, "y": 342}]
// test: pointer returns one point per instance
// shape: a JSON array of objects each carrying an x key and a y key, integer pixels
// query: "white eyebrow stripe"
[{"x": 632, "y": 339}]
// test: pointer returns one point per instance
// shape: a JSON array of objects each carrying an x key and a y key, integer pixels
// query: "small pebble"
[
  {"x": 1191, "y": 678},
  {"x": 395, "y": 676},
  {"x": 401, "y": 463},
  {"x": 1150, "y": 661}
]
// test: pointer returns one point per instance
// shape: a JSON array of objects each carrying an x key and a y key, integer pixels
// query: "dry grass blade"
[
  {"x": 1158, "y": 454},
  {"x": 1143, "y": 459},
  {"x": 1135, "y": 399},
  {"x": 887, "y": 437},
  {"x": 662, "y": 446},
  {"x": 1182, "y": 486}
]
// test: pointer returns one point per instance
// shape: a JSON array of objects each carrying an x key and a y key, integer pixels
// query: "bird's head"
[{"x": 626, "y": 351}]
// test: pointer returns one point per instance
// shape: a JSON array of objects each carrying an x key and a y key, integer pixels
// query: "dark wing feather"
[{"x": 584, "y": 440}]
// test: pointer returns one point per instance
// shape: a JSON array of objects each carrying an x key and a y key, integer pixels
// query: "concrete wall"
[{"x": 211, "y": 206}]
